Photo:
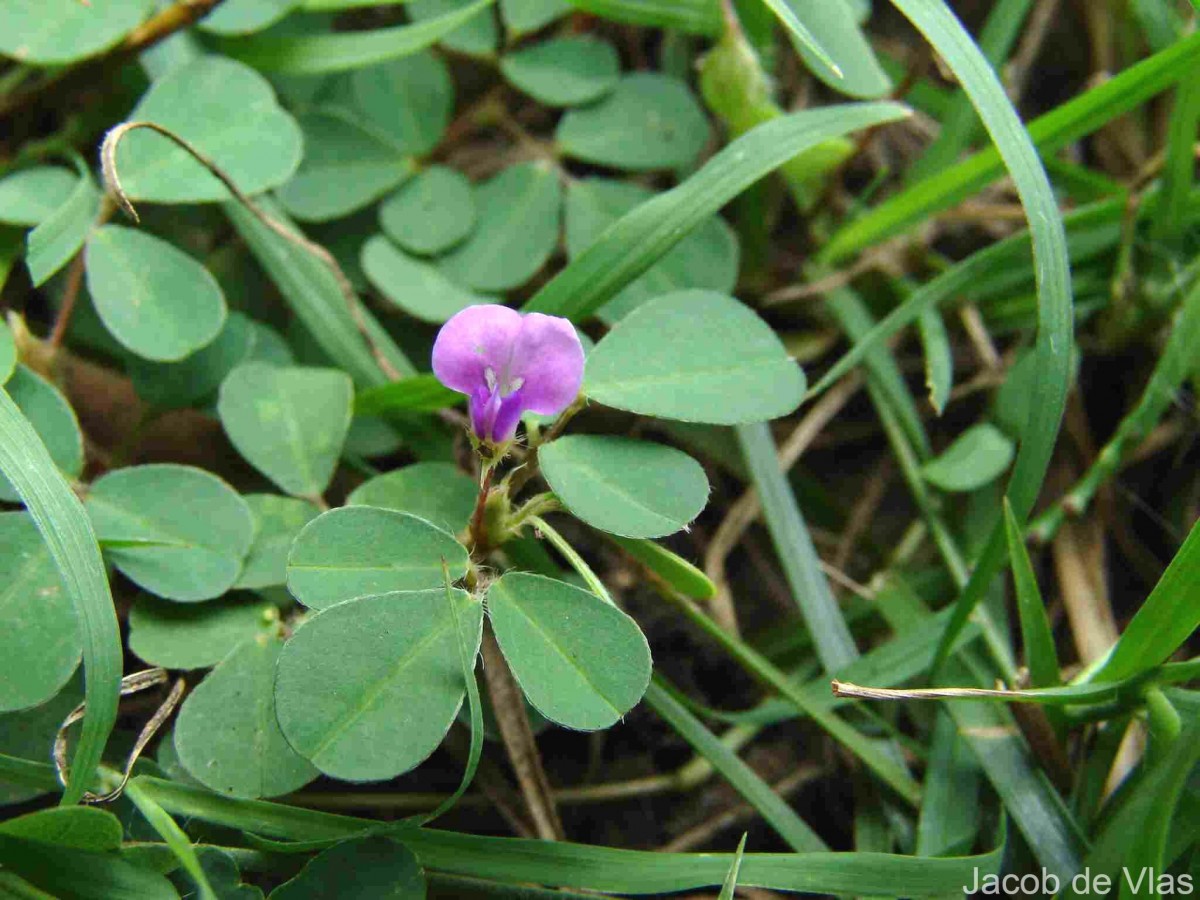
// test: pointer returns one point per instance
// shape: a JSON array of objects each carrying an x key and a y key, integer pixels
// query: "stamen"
[
  {"x": 490, "y": 377},
  {"x": 513, "y": 386}
]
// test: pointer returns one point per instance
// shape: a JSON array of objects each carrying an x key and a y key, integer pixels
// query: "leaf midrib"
[
  {"x": 688, "y": 374},
  {"x": 541, "y": 632},
  {"x": 615, "y": 487},
  {"x": 372, "y": 693}
]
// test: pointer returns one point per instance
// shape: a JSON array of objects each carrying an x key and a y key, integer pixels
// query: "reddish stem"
[{"x": 478, "y": 538}]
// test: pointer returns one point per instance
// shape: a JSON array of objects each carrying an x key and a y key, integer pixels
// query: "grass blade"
[
  {"x": 1174, "y": 366},
  {"x": 689, "y": 16},
  {"x": 565, "y": 864},
  {"x": 794, "y": 546},
  {"x": 1091, "y": 231},
  {"x": 730, "y": 885},
  {"x": 939, "y": 363},
  {"x": 773, "y": 808},
  {"x": 324, "y": 53},
  {"x": 635, "y": 242},
  {"x": 818, "y": 707},
  {"x": 678, "y": 572},
  {"x": 1051, "y": 268},
  {"x": 949, "y": 819},
  {"x": 173, "y": 836},
  {"x": 313, "y": 294},
  {"x": 65, "y": 527},
  {"x": 1036, "y": 807},
  {"x": 1158, "y": 22},
  {"x": 883, "y": 374},
  {"x": 1164, "y": 622},
  {"x": 891, "y": 772},
  {"x": 960, "y": 123},
  {"x": 1036, "y": 637},
  {"x": 1180, "y": 170},
  {"x": 1135, "y": 836},
  {"x": 806, "y": 40},
  {"x": 416, "y": 394},
  {"x": 1051, "y": 132}
]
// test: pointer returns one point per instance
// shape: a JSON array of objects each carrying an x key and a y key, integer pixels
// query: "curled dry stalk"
[
  {"x": 130, "y": 684},
  {"x": 112, "y": 184}
]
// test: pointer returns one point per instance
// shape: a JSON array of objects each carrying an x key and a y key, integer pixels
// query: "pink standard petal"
[
  {"x": 477, "y": 338},
  {"x": 548, "y": 358}
]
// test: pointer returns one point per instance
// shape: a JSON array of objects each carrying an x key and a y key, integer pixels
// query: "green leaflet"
[
  {"x": 80, "y": 827},
  {"x": 367, "y": 689},
  {"x": 697, "y": 356},
  {"x": 358, "y": 550},
  {"x": 383, "y": 868},
  {"x": 648, "y": 121},
  {"x": 977, "y": 457},
  {"x": 632, "y": 488},
  {"x": 59, "y": 235},
  {"x": 29, "y": 196},
  {"x": 430, "y": 214},
  {"x": 226, "y": 733},
  {"x": 345, "y": 168},
  {"x": 246, "y": 16},
  {"x": 54, "y": 32},
  {"x": 289, "y": 423},
  {"x": 516, "y": 230},
  {"x": 195, "y": 636},
  {"x": 581, "y": 661},
  {"x": 152, "y": 297},
  {"x": 41, "y": 639},
  {"x": 227, "y": 111},
  {"x": 567, "y": 71},
  {"x": 440, "y": 493},
  {"x": 277, "y": 522},
  {"x": 417, "y": 287},
  {"x": 177, "y": 531}
]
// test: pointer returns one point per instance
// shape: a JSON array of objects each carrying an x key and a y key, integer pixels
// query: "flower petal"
[
  {"x": 483, "y": 408},
  {"x": 548, "y": 358},
  {"x": 504, "y": 426},
  {"x": 477, "y": 338}
]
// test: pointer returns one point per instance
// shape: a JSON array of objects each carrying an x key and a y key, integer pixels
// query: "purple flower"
[{"x": 508, "y": 364}]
